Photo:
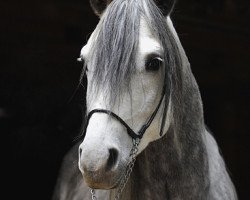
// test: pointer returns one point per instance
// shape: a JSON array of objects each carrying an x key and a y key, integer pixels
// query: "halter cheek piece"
[{"x": 130, "y": 132}]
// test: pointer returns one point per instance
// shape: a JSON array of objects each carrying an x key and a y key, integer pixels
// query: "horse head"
[{"x": 128, "y": 67}]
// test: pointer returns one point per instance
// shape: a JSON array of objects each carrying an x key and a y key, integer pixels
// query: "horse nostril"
[{"x": 113, "y": 155}]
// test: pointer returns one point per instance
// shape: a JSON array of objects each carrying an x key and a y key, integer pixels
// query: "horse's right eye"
[{"x": 80, "y": 59}]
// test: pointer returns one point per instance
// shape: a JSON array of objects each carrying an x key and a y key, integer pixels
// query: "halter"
[{"x": 130, "y": 132}]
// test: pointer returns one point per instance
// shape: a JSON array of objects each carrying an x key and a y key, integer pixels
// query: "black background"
[{"x": 41, "y": 108}]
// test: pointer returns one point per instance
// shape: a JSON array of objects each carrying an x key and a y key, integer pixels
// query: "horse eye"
[
  {"x": 154, "y": 64},
  {"x": 81, "y": 60}
]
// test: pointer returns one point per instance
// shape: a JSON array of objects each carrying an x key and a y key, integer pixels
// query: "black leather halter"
[{"x": 129, "y": 130}]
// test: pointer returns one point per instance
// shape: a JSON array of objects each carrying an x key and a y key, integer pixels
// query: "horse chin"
[
  {"x": 100, "y": 186},
  {"x": 103, "y": 185},
  {"x": 104, "y": 181}
]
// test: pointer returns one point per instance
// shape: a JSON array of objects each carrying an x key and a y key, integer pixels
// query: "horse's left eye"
[{"x": 153, "y": 64}]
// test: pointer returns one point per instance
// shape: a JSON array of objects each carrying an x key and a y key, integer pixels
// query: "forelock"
[{"x": 114, "y": 52}]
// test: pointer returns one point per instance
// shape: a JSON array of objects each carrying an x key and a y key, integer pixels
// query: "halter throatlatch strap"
[{"x": 129, "y": 130}]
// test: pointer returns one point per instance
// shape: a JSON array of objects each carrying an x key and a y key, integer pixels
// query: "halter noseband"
[{"x": 130, "y": 132}]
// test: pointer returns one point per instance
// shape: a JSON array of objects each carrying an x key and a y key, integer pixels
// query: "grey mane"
[{"x": 113, "y": 56}]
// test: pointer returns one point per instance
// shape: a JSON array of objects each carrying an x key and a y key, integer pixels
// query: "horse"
[{"x": 145, "y": 135}]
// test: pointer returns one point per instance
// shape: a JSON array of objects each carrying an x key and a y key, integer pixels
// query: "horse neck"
[{"x": 175, "y": 166}]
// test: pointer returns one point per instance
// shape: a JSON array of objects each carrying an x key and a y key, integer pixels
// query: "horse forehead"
[{"x": 147, "y": 41}]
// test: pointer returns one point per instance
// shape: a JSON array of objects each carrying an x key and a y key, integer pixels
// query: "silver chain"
[
  {"x": 93, "y": 197},
  {"x": 127, "y": 173}
]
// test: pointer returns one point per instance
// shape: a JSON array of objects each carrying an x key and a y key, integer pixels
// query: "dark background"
[{"x": 41, "y": 108}]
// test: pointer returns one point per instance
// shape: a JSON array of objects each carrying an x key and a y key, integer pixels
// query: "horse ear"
[
  {"x": 166, "y": 6},
  {"x": 99, "y": 5}
]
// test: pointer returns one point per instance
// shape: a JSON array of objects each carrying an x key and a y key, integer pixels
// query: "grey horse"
[{"x": 145, "y": 137}]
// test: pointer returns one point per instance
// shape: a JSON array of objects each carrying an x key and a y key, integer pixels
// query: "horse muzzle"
[{"x": 101, "y": 168}]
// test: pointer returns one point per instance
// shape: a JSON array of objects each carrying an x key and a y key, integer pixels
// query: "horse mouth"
[
  {"x": 105, "y": 181},
  {"x": 102, "y": 184}
]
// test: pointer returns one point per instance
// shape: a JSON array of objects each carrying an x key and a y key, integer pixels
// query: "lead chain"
[
  {"x": 93, "y": 197},
  {"x": 129, "y": 169}
]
